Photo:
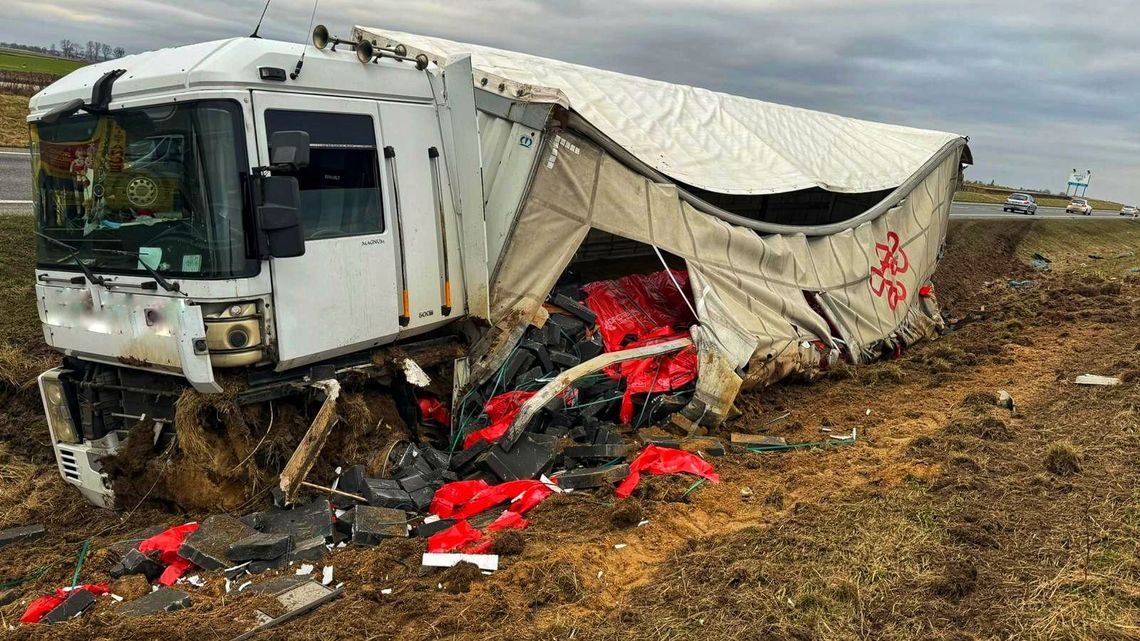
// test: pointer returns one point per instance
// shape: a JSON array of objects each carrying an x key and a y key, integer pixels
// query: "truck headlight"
[
  {"x": 60, "y": 424},
  {"x": 233, "y": 334}
]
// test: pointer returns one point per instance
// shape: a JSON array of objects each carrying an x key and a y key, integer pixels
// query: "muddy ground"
[{"x": 950, "y": 518}]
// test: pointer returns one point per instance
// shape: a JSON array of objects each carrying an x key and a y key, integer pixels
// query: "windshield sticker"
[
  {"x": 192, "y": 263},
  {"x": 150, "y": 256}
]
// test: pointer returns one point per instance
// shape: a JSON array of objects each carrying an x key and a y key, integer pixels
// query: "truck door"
[{"x": 341, "y": 295}]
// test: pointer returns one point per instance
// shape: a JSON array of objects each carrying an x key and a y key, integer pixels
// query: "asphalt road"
[
  {"x": 15, "y": 181},
  {"x": 982, "y": 211},
  {"x": 16, "y": 195}
]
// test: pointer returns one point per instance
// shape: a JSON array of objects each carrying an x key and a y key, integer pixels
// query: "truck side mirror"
[
  {"x": 289, "y": 149},
  {"x": 279, "y": 216}
]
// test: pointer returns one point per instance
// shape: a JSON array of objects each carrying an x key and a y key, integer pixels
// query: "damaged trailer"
[
  {"x": 212, "y": 216},
  {"x": 808, "y": 237}
]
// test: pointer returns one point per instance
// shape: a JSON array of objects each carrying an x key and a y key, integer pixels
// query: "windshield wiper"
[
  {"x": 92, "y": 277},
  {"x": 158, "y": 278}
]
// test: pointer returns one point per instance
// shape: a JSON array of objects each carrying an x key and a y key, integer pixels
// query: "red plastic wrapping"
[
  {"x": 528, "y": 492},
  {"x": 638, "y": 310},
  {"x": 44, "y": 604},
  {"x": 508, "y": 519},
  {"x": 166, "y": 543},
  {"x": 432, "y": 409},
  {"x": 480, "y": 547},
  {"x": 501, "y": 409},
  {"x": 664, "y": 460},
  {"x": 453, "y": 538},
  {"x": 638, "y": 305},
  {"x": 451, "y": 496}
]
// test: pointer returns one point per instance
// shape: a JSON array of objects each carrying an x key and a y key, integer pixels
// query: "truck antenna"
[
  {"x": 301, "y": 61},
  {"x": 258, "y": 27}
]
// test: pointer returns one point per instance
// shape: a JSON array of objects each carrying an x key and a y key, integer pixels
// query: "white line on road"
[
  {"x": 15, "y": 202},
  {"x": 14, "y": 153}
]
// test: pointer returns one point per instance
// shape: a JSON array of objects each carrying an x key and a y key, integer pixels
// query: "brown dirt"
[{"x": 941, "y": 522}]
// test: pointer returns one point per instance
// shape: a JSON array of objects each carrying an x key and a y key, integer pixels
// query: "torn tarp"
[
  {"x": 638, "y": 310},
  {"x": 166, "y": 544},
  {"x": 40, "y": 607},
  {"x": 663, "y": 460}
]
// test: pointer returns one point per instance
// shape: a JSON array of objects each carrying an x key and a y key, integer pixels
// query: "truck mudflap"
[{"x": 149, "y": 332}]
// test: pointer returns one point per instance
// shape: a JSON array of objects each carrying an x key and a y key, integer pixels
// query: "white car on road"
[
  {"x": 1079, "y": 206},
  {"x": 1020, "y": 202},
  {"x": 1128, "y": 210}
]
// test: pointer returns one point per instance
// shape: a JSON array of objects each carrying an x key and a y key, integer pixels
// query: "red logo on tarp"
[{"x": 892, "y": 262}]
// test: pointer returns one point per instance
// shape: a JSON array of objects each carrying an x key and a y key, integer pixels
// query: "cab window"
[{"x": 340, "y": 189}]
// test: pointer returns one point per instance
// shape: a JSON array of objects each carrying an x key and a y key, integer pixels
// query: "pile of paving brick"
[{"x": 581, "y": 434}]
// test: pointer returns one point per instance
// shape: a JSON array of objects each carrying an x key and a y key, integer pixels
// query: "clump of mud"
[
  {"x": 989, "y": 428},
  {"x": 1063, "y": 459},
  {"x": 509, "y": 543},
  {"x": 458, "y": 578},
  {"x": 627, "y": 514},
  {"x": 956, "y": 580}
]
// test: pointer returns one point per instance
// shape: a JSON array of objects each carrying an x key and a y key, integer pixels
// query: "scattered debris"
[
  {"x": 486, "y": 562},
  {"x": 24, "y": 534},
  {"x": 1040, "y": 262},
  {"x": 371, "y": 525},
  {"x": 1006, "y": 401},
  {"x": 208, "y": 545},
  {"x": 161, "y": 600},
  {"x": 1020, "y": 284},
  {"x": 297, "y": 598},
  {"x": 592, "y": 477},
  {"x": 63, "y": 604},
  {"x": 260, "y": 546},
  {"x": 756, "y": 439},
  {"x": 660, "y": 460},
  {"x": 74, "y": 605},
  {"x": 1095, "y": 379},
  {"x": 834, "y": 439},
  {"x": 135, "y": 562}
]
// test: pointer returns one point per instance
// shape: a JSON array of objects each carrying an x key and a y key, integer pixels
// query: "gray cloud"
[{"x": 1039, "y": 87}]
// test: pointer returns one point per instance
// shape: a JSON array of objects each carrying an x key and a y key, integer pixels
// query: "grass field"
[
  {"x": 13, "y": 126},
  {"x": 11, "y": 60},
  {"x": 1059, "y": 201},
  {"x": 950, "y": 518}
]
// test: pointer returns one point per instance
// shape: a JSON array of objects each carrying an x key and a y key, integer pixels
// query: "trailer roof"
[{"x": 714, "y": 141}]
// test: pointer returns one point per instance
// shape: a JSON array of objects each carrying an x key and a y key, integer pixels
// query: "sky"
[{"x": 1041, "y": 87}]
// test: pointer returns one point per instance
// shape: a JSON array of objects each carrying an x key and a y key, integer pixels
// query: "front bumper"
[{"x": 78, "y": 462}]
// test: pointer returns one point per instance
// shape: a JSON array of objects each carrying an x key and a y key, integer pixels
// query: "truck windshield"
[{"x": 163, "y": 184}]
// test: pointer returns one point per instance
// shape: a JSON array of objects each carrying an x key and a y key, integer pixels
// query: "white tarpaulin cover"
[
  {"x": 769, "y": 305},
  {"x": 714, "y": 141}
]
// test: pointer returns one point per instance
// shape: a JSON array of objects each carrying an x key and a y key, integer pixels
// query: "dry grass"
[
  {"x": 939, "y": 523},
  {"x": 1063, "y": 459},
  {"x": 13, "y": 121}
]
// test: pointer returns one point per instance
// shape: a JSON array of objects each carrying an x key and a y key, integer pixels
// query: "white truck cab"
[{"x": 221, "y": 205}]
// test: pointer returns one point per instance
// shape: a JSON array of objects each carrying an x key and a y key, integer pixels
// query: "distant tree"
[
  {"x": 53, "y": 51},
  {"x": 67, "y": 48},
  {"x": 106, "y": 50},
  {"x": 120, "y": 52},
  {"x": 90, "y": 50}
]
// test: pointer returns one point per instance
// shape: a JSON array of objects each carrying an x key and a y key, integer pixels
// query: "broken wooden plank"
[
  {"x": 738, "y": 438},
  {"x": 1094, "y": 379},
  {"x": 311, "y": 444},
  {"x": 564, "y": 380}
]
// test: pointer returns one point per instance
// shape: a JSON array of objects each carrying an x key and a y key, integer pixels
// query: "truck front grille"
[{"x": 68, "y": 465}]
